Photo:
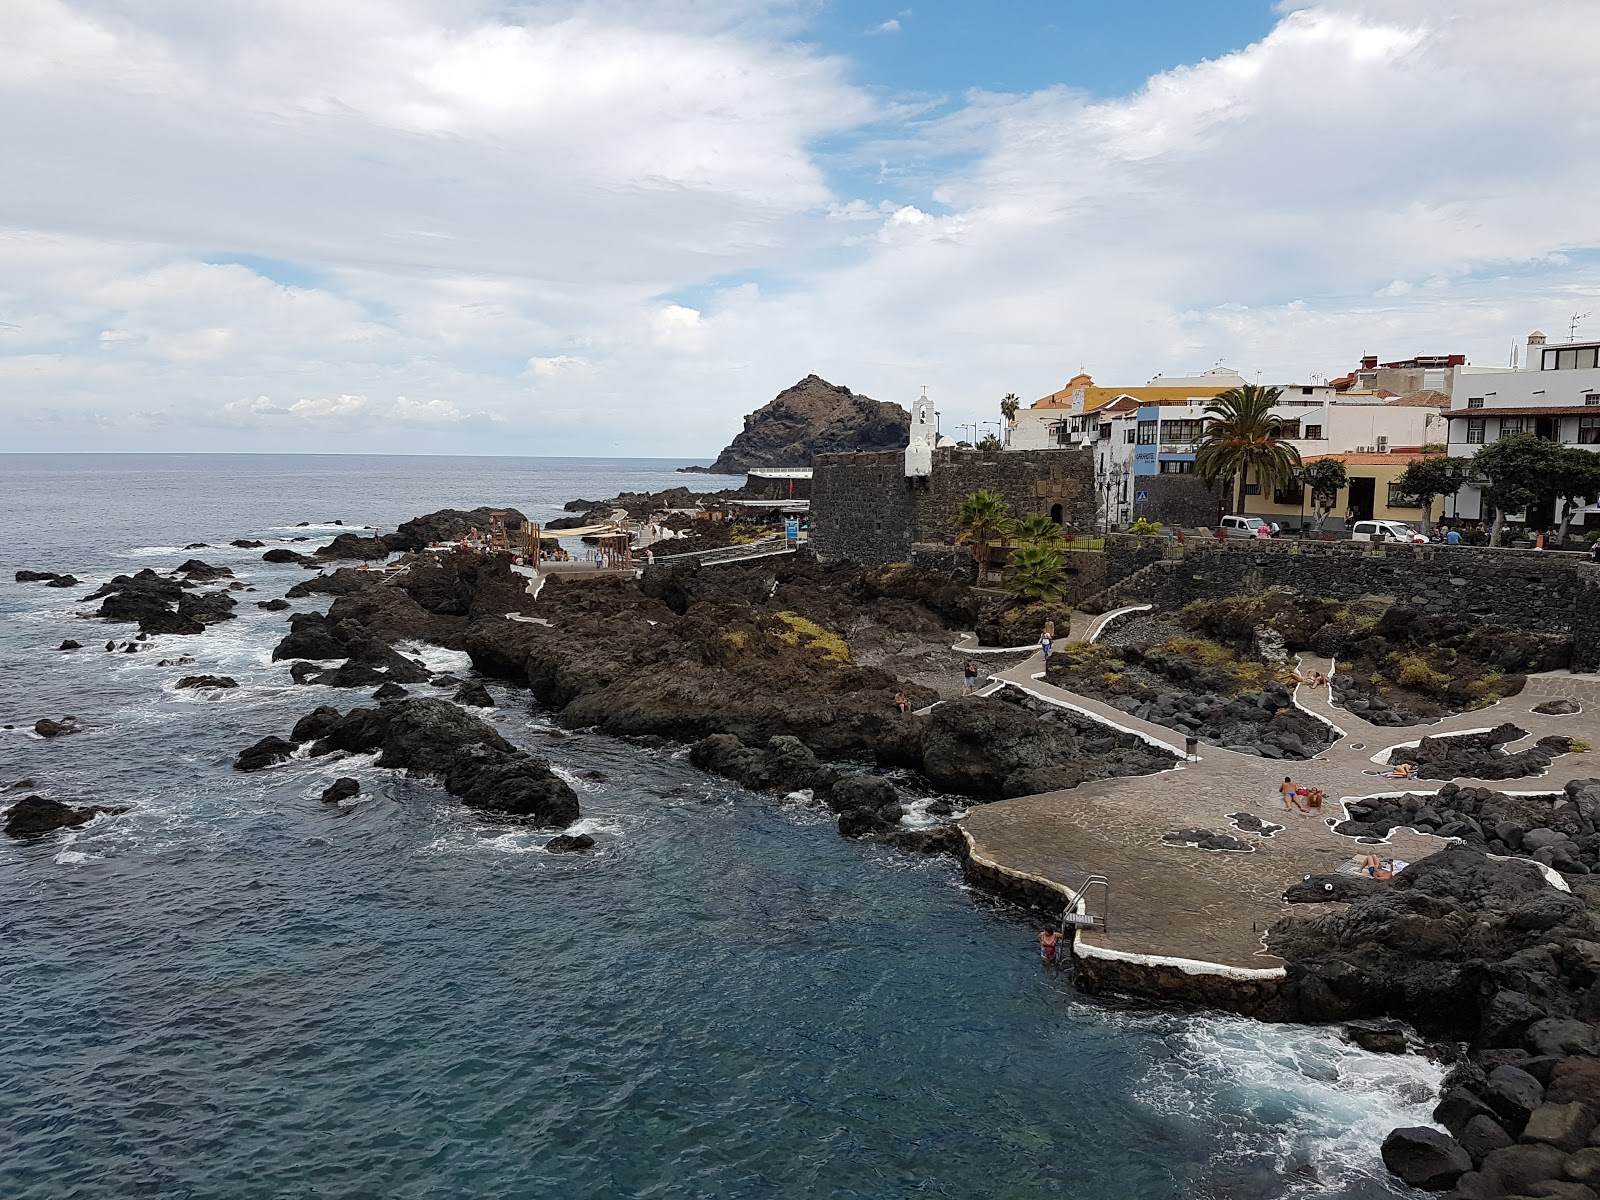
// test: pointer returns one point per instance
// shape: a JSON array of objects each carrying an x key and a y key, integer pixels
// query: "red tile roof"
[{"x": 1547, "y": 410}]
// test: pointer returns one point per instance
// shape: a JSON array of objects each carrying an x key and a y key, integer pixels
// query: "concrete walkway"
[{"x": 1205, "y": 912}]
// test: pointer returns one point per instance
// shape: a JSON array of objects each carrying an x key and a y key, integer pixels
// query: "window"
[
  {"x": 1576, "y": 358},
  {"x": 1510, "y": 425},
  {"x": 1105, "y": 432},
  {"x": 1147, "y": 432},
  {"x": 1399, "y": 499},
  {"x": 1181, "y": 431},
  {"x": 1177, "y": 468},
  {"x": 1474, "y": 401},
  {"x": 1305, "y": 391},
  {"x": 1289, "y": 492},
  {"x": 1128, "y": 437},
  {"x": 1592, "y": 400},
  {"x": 1313, "y": 433},
  {"x": 1289, "y": 430},
  {"x": 1475, "y": 430},
  {"x": 1589, "y": 431},
  {"x": 1434, "y": 381}
]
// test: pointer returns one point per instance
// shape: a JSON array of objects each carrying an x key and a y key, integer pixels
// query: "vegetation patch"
[{"x": 807, "y": 633}]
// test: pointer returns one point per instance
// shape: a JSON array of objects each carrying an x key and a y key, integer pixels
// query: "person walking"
[
  {"x": 969, "y": 676},
  {"x": 1045, "y": 643}
]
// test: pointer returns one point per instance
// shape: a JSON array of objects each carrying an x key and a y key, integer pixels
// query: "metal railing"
[{"x": 1072, "y": 919}]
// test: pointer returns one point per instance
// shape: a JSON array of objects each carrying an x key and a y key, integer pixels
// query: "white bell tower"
[{"x": 924, "y": 434}]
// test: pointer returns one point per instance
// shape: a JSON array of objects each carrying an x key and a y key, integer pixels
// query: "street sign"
[
  {"x": 1141, "y": 495},
  {"x": 791, "y": 529}
]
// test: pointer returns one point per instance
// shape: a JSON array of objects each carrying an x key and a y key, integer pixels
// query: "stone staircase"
[{"x": 1139, "y": 588}]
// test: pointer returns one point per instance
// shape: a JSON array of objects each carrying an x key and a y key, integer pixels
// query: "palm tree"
[
  {"x": 1009, "y": 404},
  {"x": 1242, "y": 437},
  {"x": 1037, "y": 530},
  {"x": 1036, "y": 573},
  {"x": 984, "y": 518}
]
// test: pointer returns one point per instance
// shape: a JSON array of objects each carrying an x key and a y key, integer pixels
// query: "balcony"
[{"x": 1179, "y": 447}]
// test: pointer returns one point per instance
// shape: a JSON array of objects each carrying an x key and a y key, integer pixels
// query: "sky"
[{"x": 614, "y": 227}]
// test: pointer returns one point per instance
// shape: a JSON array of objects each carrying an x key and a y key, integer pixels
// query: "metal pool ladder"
[{"x": 1072, "y": 919}]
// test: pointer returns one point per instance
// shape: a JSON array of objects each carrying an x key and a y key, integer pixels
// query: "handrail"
[{"x": 1079, "y": 896}]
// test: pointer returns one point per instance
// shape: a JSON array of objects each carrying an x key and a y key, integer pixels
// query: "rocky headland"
[{"x": 813, "y": 417}]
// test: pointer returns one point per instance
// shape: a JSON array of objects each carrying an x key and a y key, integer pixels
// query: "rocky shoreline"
[{"x": 754, "y": 668}]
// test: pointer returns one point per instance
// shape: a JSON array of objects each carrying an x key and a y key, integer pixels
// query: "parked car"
[
  {"x": 1385, "y": 531},
  {"x": 1242, "y": 527}
]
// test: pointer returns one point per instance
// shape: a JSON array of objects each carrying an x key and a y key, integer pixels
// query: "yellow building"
[
  {"x": 1370, "y": 493},
  {"x": 1074, "y": 415}
]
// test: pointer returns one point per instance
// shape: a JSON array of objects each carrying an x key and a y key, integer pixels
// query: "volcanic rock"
[
  {"x": 431, "y": 737},
  {"x": 1333, "y": 889},
  {"x": 474, "y": 694},
  {"x": 353, "y": 546},
  {"x": 282, "y": 554},
  {"x": 49, "y": 578},
  {"x": 564, "y": 843},
  {"x": 246, "y": 544},
  {"x": 202, "y": 572},
  {"x": 34, "y": 816},
  {"x": 341, "y": 789},
  {"x": 207, "y": 681},
  {"x": 265, "y": 753},
  {"x": 1380, "y": 1037},
  {"x": 813, "y": 417},
  {"x": 69, "y": 644},
  {"x": 785, "y": 764},
  {"x": 275, "y": 605},
  {"x": 390, "y": 690},
  {"x": 1425, "y": 1158},
  {"x": 46, "y": 728},
  {"x": 446, "y": 525}
]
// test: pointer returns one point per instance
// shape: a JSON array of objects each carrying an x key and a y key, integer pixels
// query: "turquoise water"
[{"x": 236, "y": 991}]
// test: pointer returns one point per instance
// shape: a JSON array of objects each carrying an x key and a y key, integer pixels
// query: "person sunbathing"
[{"x": 1401, "y": 771}]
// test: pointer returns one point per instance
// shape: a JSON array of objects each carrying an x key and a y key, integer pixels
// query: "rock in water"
[
  {"x": 474, "y": 694},
  {"x": 34, "y": 816},
  {"x": 341, "y": 789},
  {"x": 207, "y": 681},
  {"x": 564, "y": 843},
  {"x": 1425, "y": 1158},
  {"x": 434, "y": 737},
  {"x": 69, "y": 644},
  {"x": 46, "y": 728},
  {"x": 265, "y": 753},
  {"x": 813, "y": 417}
]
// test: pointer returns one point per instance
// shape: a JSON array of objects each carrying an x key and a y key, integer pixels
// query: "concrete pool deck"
[{"x": 1179, "y": 909}]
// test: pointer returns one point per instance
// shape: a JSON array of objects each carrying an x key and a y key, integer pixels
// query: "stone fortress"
[{"x": 873, "y": 507}]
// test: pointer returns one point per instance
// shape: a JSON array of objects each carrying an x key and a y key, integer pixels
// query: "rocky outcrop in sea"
[{"x": 813, "y": 417}]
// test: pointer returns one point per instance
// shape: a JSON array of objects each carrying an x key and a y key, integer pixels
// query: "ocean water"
[{"x": 234, "y": 990}]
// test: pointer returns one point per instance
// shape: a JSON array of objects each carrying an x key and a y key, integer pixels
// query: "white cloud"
[
  {"x": 530, "y": 216},
  {"x": 890, "y": 26},
  {"x": 322, "y": 406},
  {"x": 430, "y": 411}
]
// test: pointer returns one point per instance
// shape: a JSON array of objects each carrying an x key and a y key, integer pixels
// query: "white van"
[
  {"x": 1385, "y": 531},
  {"x": 1242, "y": 527}
]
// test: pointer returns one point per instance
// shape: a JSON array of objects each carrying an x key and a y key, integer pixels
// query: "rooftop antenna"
[{"x": 1572, "y": 329}]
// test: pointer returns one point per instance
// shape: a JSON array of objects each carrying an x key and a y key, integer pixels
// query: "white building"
[{"x": 1554, "y": 395}]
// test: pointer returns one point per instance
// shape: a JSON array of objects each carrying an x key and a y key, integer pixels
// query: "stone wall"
[
  {"x": 1543, "y": 592},
  {"x": 1181, "y": 500},
  {"x": 1586, "y": 620},
  {"x": 863, "y": 507}
]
